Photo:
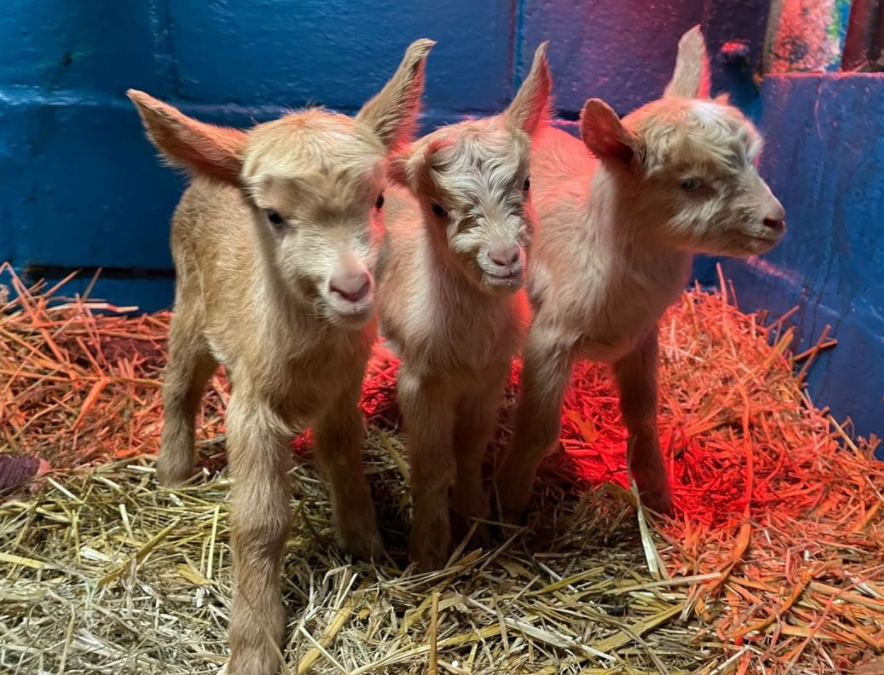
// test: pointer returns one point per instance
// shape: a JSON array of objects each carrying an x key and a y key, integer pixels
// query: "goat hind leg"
[
  {"x": 473, "y": 430},
  {"x": 189, "y": 368},
  {"x": 546, "y": 369},
  {"x": 636, "y": 375},
  {"x": 429, "y": 418},
  {"x": 338, "y": 443}
]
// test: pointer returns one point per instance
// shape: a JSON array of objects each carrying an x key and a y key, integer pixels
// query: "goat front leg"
[
  {"x": 473, "y": 430},
  {"x": 337, "y": 439},
  {"x": 546, "y": 369},
  {"x": 260, "y": 457},
  {"x": 636, "y": 375},
  {"x": 429, "y": 420},
  {"x": 189, "y": 368}
]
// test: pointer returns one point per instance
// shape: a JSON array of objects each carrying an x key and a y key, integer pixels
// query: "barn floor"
[{"x": 773, "y": 564}]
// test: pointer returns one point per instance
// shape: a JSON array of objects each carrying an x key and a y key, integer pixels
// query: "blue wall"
[
  {"x": 81, "y": 187},
  {"x": 824, "y": 158}
]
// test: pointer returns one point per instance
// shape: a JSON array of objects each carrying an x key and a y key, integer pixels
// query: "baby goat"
[
  {"x": 614, "y": 247},
  {"x": 276, "y": 244},
  {"x": 449, "y": 304}
]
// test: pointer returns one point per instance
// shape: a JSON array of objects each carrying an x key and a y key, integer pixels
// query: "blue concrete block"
[
  {"x": 139, "y": 294},
  {"x": 87, "y": 45},
  {"x": 83, "y": 187},
  {"x": 823, "y": 158},
  {"x": 339, "y": 52},
  {"x": 10, "y": 165},
  {"x": 135, "y": 294},
  {"x": 621, "y": 52}
]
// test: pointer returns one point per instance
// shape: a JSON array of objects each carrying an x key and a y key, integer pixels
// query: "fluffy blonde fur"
[
  {"x": 277, "y": 245},
  {"x": 614, "y": 248},
  {"x": 450, "y": 303}
]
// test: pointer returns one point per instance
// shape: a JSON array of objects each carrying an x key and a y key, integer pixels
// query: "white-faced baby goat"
[
  {"x": 614, "y": 249},
  {"x": 449, "y": 303},
  {"x": 276, "y": 245}
]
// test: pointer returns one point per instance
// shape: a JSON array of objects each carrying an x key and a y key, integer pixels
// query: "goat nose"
[
  {"x": 352, "y": 287},
  {"x": 505, "y": 255},
  {"x": 775, "y": 219},
  {"x": 775, "y": 224}
]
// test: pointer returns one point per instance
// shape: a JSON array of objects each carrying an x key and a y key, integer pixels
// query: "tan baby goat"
[
  {"x": 614, "y": 248},
  {"x": 276, "y": 244},
  {"x": 449, "y": 303}
]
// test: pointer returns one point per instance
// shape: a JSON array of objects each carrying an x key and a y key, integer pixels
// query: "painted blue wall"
[
  {"x": 824, "y": 158},
  {"x": 81, "y": 187}
]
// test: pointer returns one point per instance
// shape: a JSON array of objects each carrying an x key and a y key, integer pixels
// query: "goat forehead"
[
  {"x": 705, "y": 135},
  {"x": 481, "y": 166},
  {"x": 708, "y": 112},
  {"x": 314, "y": 142},
  {"x": 332, "y": 194}
]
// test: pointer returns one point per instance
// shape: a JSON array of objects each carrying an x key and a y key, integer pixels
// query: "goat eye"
[
  {"x": 691, "y": 184},
  {"x": 527, "y": 185},
  {"x": 380, "y": 202},
  {"x": 439, "y": 211},
  {"x": 275, "y": 219}
]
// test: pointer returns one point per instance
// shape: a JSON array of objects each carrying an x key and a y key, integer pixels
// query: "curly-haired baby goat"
[
  {"x": 276, "y": 245},
  {"x": 449, "y": 303},
  {"x": 614, "y": 248}
]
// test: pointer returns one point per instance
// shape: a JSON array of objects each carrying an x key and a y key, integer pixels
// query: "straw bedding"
[{"x": 773, "y": 563}]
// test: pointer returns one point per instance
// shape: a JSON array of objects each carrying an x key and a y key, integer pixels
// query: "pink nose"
[
  {"x": 505, "y": 255},
  {"x": 351, "y": 287}
]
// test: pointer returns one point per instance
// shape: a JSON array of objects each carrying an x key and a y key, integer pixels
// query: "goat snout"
[
  {"x": 775, "y": 215},
  {"x": 775, "y": 224},
  {"x": 775, "y": 220},
  {"x": 505, "y": 256},
  {"x": 351, "y": 287},
  {"x": 502, "y": 267}
]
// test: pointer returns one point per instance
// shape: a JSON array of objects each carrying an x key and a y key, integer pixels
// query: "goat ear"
[
  {"x": 604, "y": 133},
  {"x": 392, "y": 113},
  {"x": 207, "y": 149},
  {"x": 532, "y": 103},
  {"x": 691, "y": 76}
]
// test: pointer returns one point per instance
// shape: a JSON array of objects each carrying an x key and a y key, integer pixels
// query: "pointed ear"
[
  {"x": 691, "y": 76},
  {"x": 392, "y": 113},
  {"x": 604, "y": 133},
  {"x": 212, "y": 151},
  {"x": 532, "y": 102}
]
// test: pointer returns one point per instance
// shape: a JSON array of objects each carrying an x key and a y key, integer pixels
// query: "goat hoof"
[
  {"x": 513, "y": 494},
  {"x": 172, "y": 473},
  {"x": 429, "y": 544},
  {"x": 253, "y": 662},
  {"x": 367, "y": 547},
  {"x": 430, "y": 560},
  {"x": 482, "y": 537},
  {"x": 658, "y": 499},
  {"x": 513, "y": 513}
]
